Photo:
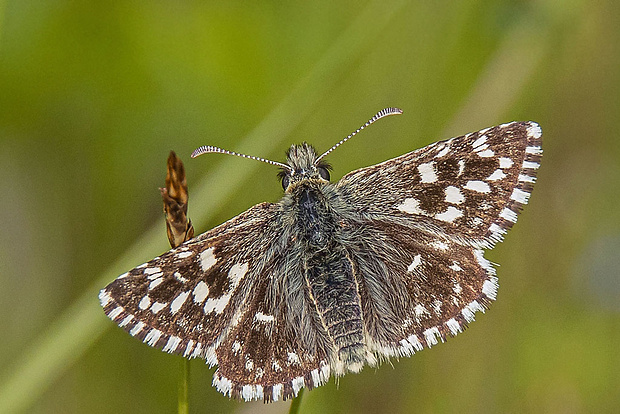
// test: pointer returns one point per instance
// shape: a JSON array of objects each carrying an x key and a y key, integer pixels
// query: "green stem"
[
  {"x": 184, "y": 387},
  {"x": 296, "y": 402}
]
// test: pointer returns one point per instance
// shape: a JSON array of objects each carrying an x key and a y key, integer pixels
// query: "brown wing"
[
  {"x": 471, "y": 187},
  {"x": 185, "y": 300}
]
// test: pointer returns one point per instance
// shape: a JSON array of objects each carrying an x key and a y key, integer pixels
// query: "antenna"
[
  {"x": 382, "y": 113},
  {"x": 211, "y": 149}
]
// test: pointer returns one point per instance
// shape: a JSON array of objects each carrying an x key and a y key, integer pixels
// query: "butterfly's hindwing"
[
  {"x": 277, "y": 344},
  {"x": 419, "y": 288}
]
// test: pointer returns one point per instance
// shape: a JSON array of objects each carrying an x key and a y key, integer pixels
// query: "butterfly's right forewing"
[
  {"x": 471, "y": 187},
  {"x": 186, "y": 300}
]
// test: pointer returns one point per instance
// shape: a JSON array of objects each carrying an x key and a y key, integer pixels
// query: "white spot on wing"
[
  {"x": 478, "y": 186},
  {"x": 155, "y": 283},
  {"x": 431, "y": 335},
  {"x": 443, "y": 152},
  {"x": 508, "y": 214},
  {"x": 178, "y": 302},
  {"x": 222, "y": 384},
  {"x": 415, "y": 342},
  {"x": 236, "y": 273},
  {"x": 481, "y": 140},
  {"x": 419, "y": 310},
  {"x": 151, "y": 270},
  {"x": 486, "y": 265},
  {"x": 115, "y": 312},
  {"x": 454, "y": 195},
  {"x": 145, "y": 303},
  {"x": 104, "y": 297},
  {"x": 179, "y": 277},
  {"x": 505, "y": 162},
  {"x": 261, "y": 317},
  {"x": 533, "y": 150},
  {"x": 298, "y": 383},
  {"x": 526, "y": 178},
  {"x": 489, "y": 287},
  {"x": 277, "y": 391},
  {"x": 487, "y": 153},
  {"x": 533, "y": 130},
  {"x": 316, "y": 380},
  {"x": 207, "y": 259},
  {"x": 427, "y": 172},
  {"x": 531, "y": 165},
  {"x": 454, "y": 326},
  {"x": 188, "y": 348},
  {"x": 210, "y": 356},
  {"x": 440, "y": 245},
  {"x": 410, "y": 206},
  {"x": 152, "y": 337},
  {"x": 520, "y": 196},
  {"x": 417, "y": 260},
  {"x": 247, "y": 392},
  {"x": 183, "y": 255},
  {"x": 455, "y": 266},
  {"x": 137, "y": 328},
  {"x": 451, "y": 214},
  {"x": 497, "y": 175},
  {"x": 293, "y": 358},
  {"x": 497, "y": 232},
  {"x": 470, "y": 310},
  {"x": 154, "y": 275},
  {"x": 126, "y": 321},
  {"x": 201, "y": 291},
  {"x": 217, "y": 305},
  {"x": 157, "y": 306},
  {"x": 172, "y": 344}
]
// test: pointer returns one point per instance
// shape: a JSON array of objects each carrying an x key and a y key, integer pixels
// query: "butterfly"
[{"x": 385, "y": 262}]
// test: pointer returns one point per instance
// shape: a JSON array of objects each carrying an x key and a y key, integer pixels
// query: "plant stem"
[
  {"x": 184, "y": 387},
  {"x": 296, "y": 402}
]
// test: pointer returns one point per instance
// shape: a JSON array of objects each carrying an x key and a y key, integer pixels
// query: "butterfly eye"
[
  {"x": 285, "y": 181},
  {"x": 324, "y": 173}
]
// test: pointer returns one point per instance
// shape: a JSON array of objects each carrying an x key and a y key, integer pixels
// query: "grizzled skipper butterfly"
[{"x": 385, "y": 262}]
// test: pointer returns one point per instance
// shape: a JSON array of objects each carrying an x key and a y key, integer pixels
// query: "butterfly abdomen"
[{"x": 332, "y": 286}]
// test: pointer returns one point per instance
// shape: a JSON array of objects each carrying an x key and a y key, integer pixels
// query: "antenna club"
[
  {"x": 211, "y": 149},
  {"x": 382, "y": 113},
  {"x": 200, "y": 151}
]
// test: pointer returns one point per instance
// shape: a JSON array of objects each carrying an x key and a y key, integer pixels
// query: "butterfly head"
[{"x": 303, "y": 164}]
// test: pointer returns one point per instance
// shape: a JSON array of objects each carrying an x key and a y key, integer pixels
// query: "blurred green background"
[{"x": 93, "y": 95}]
